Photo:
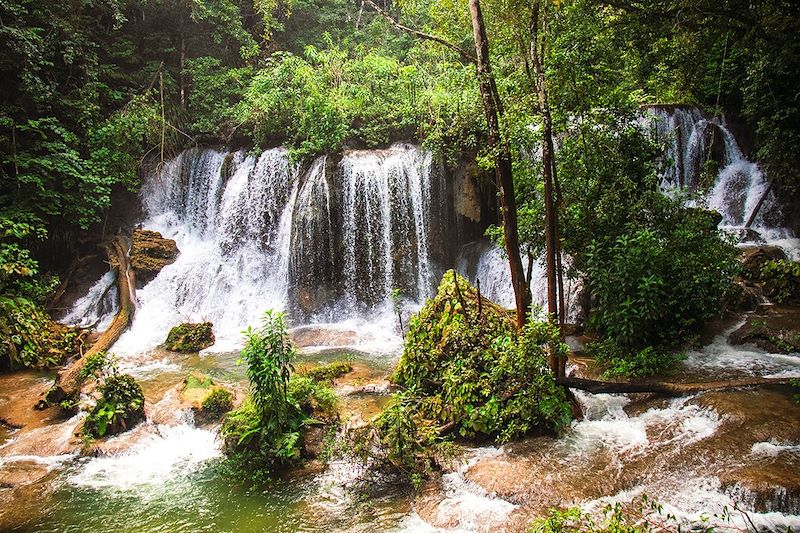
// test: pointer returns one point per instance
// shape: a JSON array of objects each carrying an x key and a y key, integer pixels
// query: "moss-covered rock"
[
  {"x": 328, "y": 371},
  {"x": 119, "y": 408},
  {"x": 208, "y": 400},
  {"x": 190, "y": 337},
  {"x": 150, "y": 252},
  {"x": 465, "y": 368}
]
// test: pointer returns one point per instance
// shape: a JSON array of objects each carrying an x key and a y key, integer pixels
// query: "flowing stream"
[{"x": 328, "y": 243}]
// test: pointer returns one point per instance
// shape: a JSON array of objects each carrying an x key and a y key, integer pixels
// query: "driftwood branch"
[
  {"x": 664, "y": 388},
  {"x": 69, "y": 380},
  {"x": 421, "y": 35}
]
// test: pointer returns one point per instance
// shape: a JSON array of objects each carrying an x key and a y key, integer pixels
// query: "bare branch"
[{"x": 421, "y": 35}]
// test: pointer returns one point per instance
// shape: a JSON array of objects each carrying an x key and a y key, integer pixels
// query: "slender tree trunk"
[
  {"x": 182, "y": 66},
  {"x": 493, "y": 110},
  {"x": 555, "y": 282}
]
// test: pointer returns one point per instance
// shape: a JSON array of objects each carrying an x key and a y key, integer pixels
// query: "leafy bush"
[
  {"x": 471, "y": 373},
  {"x": 97, "y": 364},
  {"x": 617, "y": 362},
  {"x": 266, "y": 433},
  {"x": 782, "y": 280},
  {"x": 658, "y": 283},
  {"x": 118, "y": 409}
]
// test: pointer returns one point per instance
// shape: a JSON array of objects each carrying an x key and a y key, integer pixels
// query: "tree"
[{"x": 497, "y": 146}]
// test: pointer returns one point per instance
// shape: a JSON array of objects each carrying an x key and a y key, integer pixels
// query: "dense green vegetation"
[
  {"x": 266, "y": 434},
  {"x": 93, "y": 88},
  {"x": 467, "y": 371}
]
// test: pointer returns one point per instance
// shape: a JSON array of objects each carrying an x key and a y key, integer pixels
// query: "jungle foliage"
[
  {"x": 266, "y": 434},
  {"x": 466, "y": 371}
]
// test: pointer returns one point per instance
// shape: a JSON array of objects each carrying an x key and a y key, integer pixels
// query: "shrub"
[
  {"x": 782, "y": 280},
  {"x": 617, "y": 362},
  {"x": 118, "y": 409},
  {"x": 266, "y": 434},
  {"x": 471, "y": 373},
  {"x": 658, "y": 283}
]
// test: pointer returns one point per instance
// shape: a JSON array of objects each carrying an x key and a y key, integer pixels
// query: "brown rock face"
[
  {"x": 150, "y": 252},
  {"x": 753, "y": 259},
  {"x": 773, "y": 328}
]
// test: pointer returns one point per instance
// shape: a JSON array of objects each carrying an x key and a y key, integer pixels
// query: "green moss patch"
[
  {"x": 328, "y": 371},
  {"x": 190, "y": 337}
]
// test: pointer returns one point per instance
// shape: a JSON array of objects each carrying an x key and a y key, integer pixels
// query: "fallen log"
[
  {"x": 664, "y": 388},
  {"x": 69, "y": 380}
]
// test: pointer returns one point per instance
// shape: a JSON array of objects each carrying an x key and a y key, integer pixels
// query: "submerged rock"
[
  {"x": 190, "y": 337},
  {"x": 150, "y": 252}
]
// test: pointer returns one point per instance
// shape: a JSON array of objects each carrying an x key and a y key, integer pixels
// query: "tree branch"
[{"x": 421, "y": 35}]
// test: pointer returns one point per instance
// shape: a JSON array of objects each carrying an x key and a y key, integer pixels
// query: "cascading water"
[
  {"x": 739, "y": 191},
  {"x": 231, "y": 216},
  {"x": 256, "y": 233},
  {"x": 385, "y": 215},
  {"x": 97, "y": 307}
]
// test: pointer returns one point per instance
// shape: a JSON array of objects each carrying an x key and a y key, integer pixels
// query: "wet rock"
[
  {"x": 742, "y": 297},
  {"x": 150, "y": 252},
  {"x": 307, "y": 336},
  {"x": 208, "y": 400},
  {"x": 753, "y": 260},
  {"x": 190, "y": 337},
  {"x": 775, "y": 329},
  {"x": 314, "y": 441}
]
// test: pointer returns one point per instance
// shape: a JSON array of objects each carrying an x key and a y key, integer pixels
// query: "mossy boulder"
[
  {"x": 190, "y": 337},
  {"x": 119, "y": 407},
  {"x": 328, "y": 371},
  {"x": 466, "y": 370},
  {"x": 150, "y": 252},
  {"x": 208, "y": 400}
]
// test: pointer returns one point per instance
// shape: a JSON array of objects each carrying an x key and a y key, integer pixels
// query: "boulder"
[
  {"x": 775, "y": 329},
  {"x": 190, "y": 337},
  {"x": 753, "y": 259},
  {"x": 208, "y": 400},
  {"x": 150, "y": 252}
]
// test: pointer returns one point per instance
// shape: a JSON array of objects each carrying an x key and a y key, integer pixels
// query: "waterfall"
[
  {"x": 231, "y": 215},
  {"x": 385, "y": 221},
  {"x": 692, "y": 139},
  {"x": 485, "y": 262},
  {"x": 328, "y": 243}
]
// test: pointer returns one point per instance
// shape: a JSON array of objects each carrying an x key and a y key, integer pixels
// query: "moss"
[
  {"x": 119, "y": 408},
  {"x": 190, "y": 337},
  {"x": 465, "y": 367},
  {"x": 328, "y": 371},
  {"x": 219, "y": 401}
]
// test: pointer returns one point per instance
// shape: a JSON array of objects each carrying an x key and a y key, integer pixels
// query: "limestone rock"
[
  {"x": 775, "y": 329},
  {"x": 208, "y": 400},
  {"x": 150, "y": 252}
]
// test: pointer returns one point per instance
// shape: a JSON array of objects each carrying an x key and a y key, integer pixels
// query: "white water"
[
  {"x": 174, "y": 451},
  {"x": 97, "y": 307},
  {"x": 487, "y": 263},
  {"x": 739, "y": 185},
  {"x": 265, "y": 237}
]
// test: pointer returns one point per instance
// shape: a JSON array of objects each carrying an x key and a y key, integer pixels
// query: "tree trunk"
[
  {"x": 69, "y": 380},
  {"x": 555, "y": 284},
  {"x": 493, "y": 110},
  {"x": 667, "y": 389}
]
